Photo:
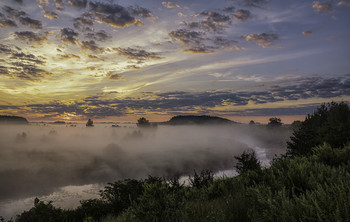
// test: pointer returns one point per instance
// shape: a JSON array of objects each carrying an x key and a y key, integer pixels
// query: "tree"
[
  {"x": 274, "y": 122},
  {"x": 295, "y": 124},
  {"x": 247, "y": 161},
  {"x": 330, "y": 123},
  {"x": 143, "y": 122},
  {"x": 90, "y": 123},
  {"x": 251, "y": 122}
]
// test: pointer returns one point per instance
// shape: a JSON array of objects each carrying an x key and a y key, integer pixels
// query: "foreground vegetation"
[{"x": 310, "y": 183}]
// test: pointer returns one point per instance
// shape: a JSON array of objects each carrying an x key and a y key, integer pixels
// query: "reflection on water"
[
  {"x": 67, "y": 197},
  {"x": 66, "y": 164}
]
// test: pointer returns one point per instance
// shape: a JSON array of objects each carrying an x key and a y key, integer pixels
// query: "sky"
[{"x": 119, "y": 60}]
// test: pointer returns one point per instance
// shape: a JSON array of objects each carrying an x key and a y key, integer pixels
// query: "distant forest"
[
  {"x": 13, "y": 120},
  {"x": 198, "y": 120}
]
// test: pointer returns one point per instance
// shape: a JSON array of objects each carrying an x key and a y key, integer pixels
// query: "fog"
[{"x": 38, "y": 160}]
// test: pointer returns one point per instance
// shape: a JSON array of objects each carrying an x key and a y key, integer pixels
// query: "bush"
[
  {"x": 121, "y": 194},
  {"x": 204, "y": 179}
]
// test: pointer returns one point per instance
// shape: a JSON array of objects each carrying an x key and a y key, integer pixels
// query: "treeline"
[
  {"x": 309, "y": 183},
  {"x": 12, "y": 120}
]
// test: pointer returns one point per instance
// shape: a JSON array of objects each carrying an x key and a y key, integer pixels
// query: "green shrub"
[
  {"x": 121, "y": 194},
  {"x": 158, "y": 203}
]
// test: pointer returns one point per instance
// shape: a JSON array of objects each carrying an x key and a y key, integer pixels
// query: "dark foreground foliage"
[{"x": 310, "y": 184}]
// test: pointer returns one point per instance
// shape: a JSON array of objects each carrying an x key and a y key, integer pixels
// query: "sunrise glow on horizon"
[{"x": 111, "y": 60}]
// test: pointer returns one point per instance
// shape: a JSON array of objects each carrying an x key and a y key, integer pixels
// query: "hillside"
[
  {"x": 13, "y": 120},
  {"x": 198, "y": 120}
]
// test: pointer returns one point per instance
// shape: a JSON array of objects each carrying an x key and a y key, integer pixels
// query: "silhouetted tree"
[
  {"x": 330, "y": 123},
  {"x": 247, "y": 161},
  {"x": 251, "y": 122},
  {"x": 274, "y": 122},
  {"x": 90, "y": 123},
  {"x": 143, "y": 122}
]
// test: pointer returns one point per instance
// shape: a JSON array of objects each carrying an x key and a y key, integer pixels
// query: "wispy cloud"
[
  {"x": 171, "y": 5},
  {"x": 322, "y": 7}
]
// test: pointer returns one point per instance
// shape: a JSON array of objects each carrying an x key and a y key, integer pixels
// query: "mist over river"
[{"x": 66, "y": 163}]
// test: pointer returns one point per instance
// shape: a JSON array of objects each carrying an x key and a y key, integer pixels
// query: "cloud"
[
  {"x": 197, "y": 42},
  {"x": 137, "y": 54},
  {"x": 58, "y": 4},
  {"x": 7, "y": 23},
  {"x": 35, "y": 24},
  {"x": 187, "y": 36},
  {"x": 114, "y": 15},
  {"x": 80, "y": 4},
  {"x": 91, "y": 45},
  {"x": 307, "y": 33},
  {"x": 18, "y": 1},
  {"x": 264, "y": 40},
  {"x": 135, "y": 67},
  {"x": 211, "y": 22},
  {"x": 199, "y": 36},
  {"x": 13, "y": 13},
  {"x": 344, "y": 2},
  {"x": 207, "y": 101},
  {"x": 67, "y": 56},
  {"x": 45, "y": 2},
  {"x": 50, "y": 14},
  {"x": 114, "y": 76},
  {"x": 4, "y": 71},
  {"x": 140, "y": 11},
  {"x": 30, "y": 36},
  {"x": 242, "y": 15},
  {"x": 207, "y": 26},
  {"x": 69, "y": 36},
  {"x": 200, "y": 49},
  {"x": 220, "y": 41},
  {"x": 314, "y": 88},
  {"x": 84, "y": 22},
  {"x": 24, "y": 66},
  {"x": 170, "y": 5},
  {"x": 28, "y": 72},
  {"x": 98, "y": 36},
  {"x": 180, "y": 14},
  {"x": 322, "y": 7},
  {"x": 94, "y": 57},
  {"x": 58, "y": 108},
  {"x": 229, "y": 9},
  {"x": 253, "y": 3},
  {"x": 302, "y": 88},
  {"x": 5, "y": 49},
  {"x": 215, "y": 17},
  {"x": 27, "y": 57}
]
